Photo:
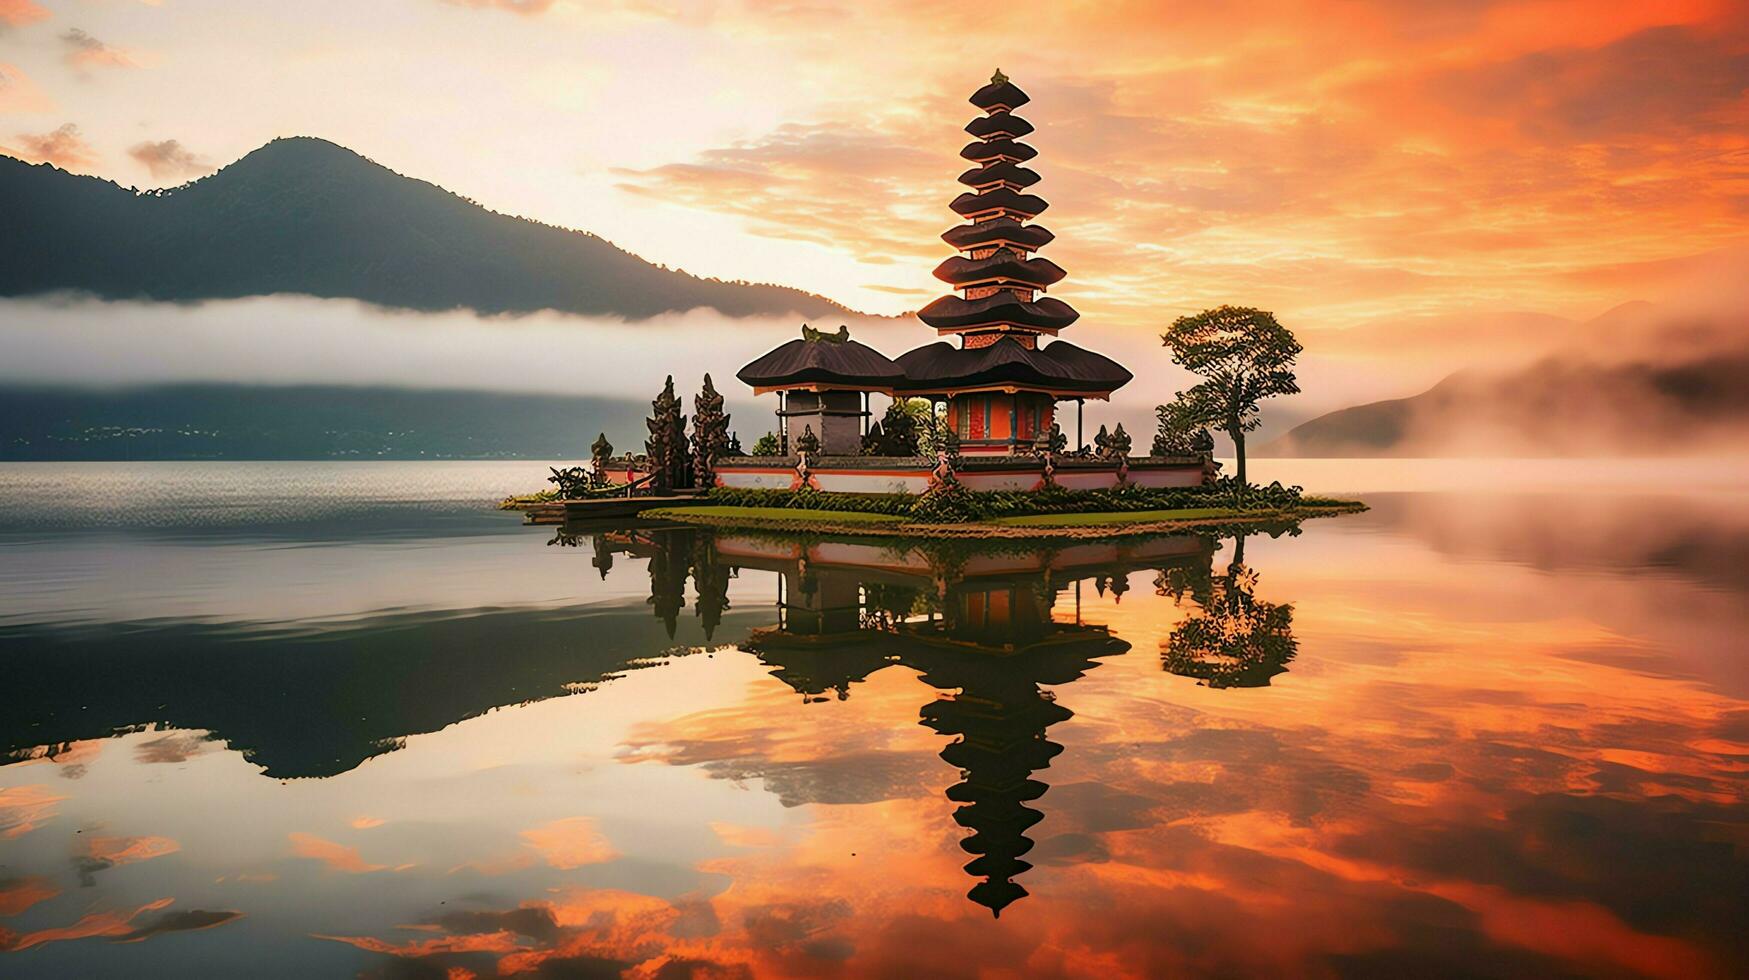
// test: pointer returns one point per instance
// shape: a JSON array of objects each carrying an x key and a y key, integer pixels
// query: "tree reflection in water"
[{"x": 1231, "y": 638}]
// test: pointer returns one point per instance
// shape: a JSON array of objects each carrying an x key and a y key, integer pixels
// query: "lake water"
[{"x": 298, "y": 720}]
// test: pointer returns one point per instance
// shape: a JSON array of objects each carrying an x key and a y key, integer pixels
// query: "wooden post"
[
  {"x": 1080, "y": 412},
  {"x": 782, "y": 423}
]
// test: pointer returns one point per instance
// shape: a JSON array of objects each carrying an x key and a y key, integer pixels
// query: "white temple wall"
[
  {"x": 764, "y": 478},
  {"x": 998, "y": 480},
  {"x": 872, "y": 481},
  {"x": 1188, "y": 475}
]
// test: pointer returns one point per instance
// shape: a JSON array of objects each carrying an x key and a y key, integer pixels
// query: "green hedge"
[
  {"x": 893, "y": 504},
  {"x": 954, "y": 503}
]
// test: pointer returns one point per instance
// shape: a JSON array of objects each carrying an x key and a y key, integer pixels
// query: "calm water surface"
[{"x": 343, "y": 719}]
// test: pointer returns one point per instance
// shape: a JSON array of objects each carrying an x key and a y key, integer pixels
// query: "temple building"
[
  {"x": 995, "y": 376},
  {"x": 1001, "y": 382},
  {"x": 822, "y": 383}
]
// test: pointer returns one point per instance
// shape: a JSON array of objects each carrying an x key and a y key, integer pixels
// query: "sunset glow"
[{"x": 1337, "y": 163}]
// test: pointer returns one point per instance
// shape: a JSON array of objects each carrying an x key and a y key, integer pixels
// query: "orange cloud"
[
  {"x": 24, "y": 808},
  {"x": 19, "y": 894},
  {"x": 63, "y": 147},
  {"x": 526, "y": 8},
  {"x": 81, "y": 50},
  {"x": 128, "y": 850},
  {"x": 570, "y": 843},
  {"x": 17, "y": 13},
  {"x": 1332, "y": 162},
  {"x": 95, "y": 924},
  {"x": 338, "y": 857}
]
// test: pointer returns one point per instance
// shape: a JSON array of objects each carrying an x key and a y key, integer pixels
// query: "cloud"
[
  {"x": 190, "y": 920},
  {"x": 169, "y": 158},
  {"x": 24, "y": 808},
  {"x": 1668, "y": 80},
  {"x": 18, "y": 894},
  {"x": 526, "y": 8},
  {"x": 63, "y": 147},
  {"x": 128, "y": 850},
  {"x": 287, "y": 340},
  {"x": 570, "y": 843},
  {"x": 103, "y": 853},
  {"x": 17, "y": 13},
  {"x": 81, "y": 50},
  {"x": 338, "y": 857},
  {"x": 94, "y": 924},
  {"x": 18, "y": 93},
  {"x": 1332, "y": 164},
  {"x": 832, "y": 184}
]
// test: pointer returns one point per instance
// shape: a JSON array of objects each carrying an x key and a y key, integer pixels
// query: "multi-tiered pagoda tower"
[
  {"x": 995, "y": 380},
  {"x": 1003, "y": 380}
]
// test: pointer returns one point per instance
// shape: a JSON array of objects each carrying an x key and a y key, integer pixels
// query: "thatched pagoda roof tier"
[
  {"x": 1056, "y": 367},
  {"x": 1001, "y": 307},
  {"x": 1002, "y": 231},
  {"x": 1007, "y": 265},
  {"x": 999, "y": 94},
  {"x": 832, "y": 363},
  {"x": 999, "y": 198},
  {"x": 1002, "y": 171},
  {"x": 1001, "y": 124},
  {"x": 986, "y": 150}
]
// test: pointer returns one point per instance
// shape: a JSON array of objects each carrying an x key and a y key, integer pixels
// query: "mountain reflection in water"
[{"x": 1437, "y": 738}]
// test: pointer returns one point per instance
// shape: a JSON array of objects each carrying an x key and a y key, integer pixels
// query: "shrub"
[
  {"x": 952, "y": 502},
  {"x": 892, "y": 504},
  {"x": 572, "y": 483},
  {"x": 949, "y": 502}
]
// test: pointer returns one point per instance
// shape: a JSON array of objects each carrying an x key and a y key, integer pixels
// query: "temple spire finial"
[{"x": 998, "y": 78}]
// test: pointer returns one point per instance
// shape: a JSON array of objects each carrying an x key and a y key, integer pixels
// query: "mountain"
[
  {"x": 303, "y": 215},
  {"x": 206, "y": 421},
  {"x": 1559, "y": 406}
]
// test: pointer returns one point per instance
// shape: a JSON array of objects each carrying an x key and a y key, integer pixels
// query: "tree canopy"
[{"x": 1243, "y": 356}]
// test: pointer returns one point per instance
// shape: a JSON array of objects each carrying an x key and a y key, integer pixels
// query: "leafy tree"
[
  {"x": 1178, "y": 433},
  {"x": 767, "y": 445},
  {"x": 931, "y": 422},
  {"x": 1243, "y": 356},
  {"x": 896, "y": 433}
]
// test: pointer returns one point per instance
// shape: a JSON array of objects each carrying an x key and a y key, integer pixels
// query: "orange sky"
[{"x": 1336, "y": 162}]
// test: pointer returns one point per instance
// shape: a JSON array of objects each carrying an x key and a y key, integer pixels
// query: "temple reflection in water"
[{"x": 981, "y": 624}]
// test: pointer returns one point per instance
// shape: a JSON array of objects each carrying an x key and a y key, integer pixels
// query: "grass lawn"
[
  {"x": 1118, "y": 517},
  {"x": 776, "y": 514}
]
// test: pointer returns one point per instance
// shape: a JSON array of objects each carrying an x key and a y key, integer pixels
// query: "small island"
[{"x": 971, "y": 444}]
